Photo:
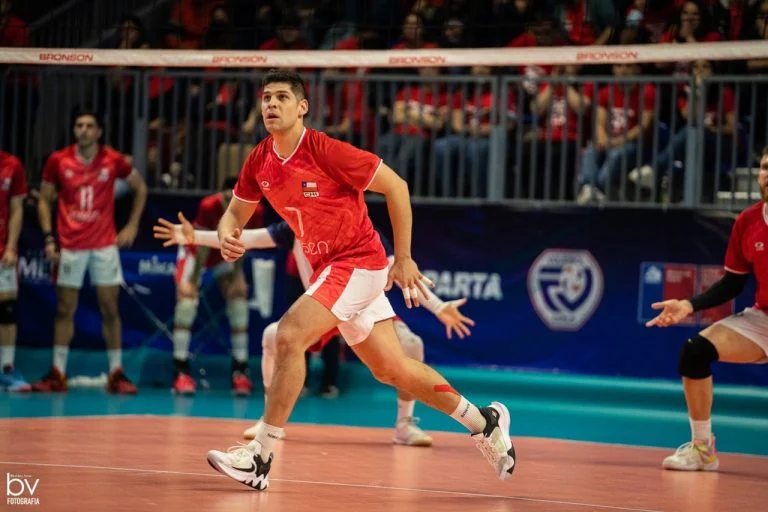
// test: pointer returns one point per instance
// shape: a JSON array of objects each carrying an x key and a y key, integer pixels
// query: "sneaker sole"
[
  {"x": 419, "y": 442},
  {"x": 236, "y": 475},
  {"x": 506, "y": 464},
  {"x": 708, "y": 467}
]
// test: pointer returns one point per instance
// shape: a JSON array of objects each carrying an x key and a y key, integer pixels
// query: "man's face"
[
  {"x": 87, "y": 131},
  {"x": 280, "y": 108},
  {"x": 762, "y": 178}
]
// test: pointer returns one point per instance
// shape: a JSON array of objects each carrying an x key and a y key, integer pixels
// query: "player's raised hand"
[
  {"x": 232, "y": 248},
  {"x": 453, "y": 320},
  {"x": 405, "y": 273},
  {"x": 672, "y": 312},
  {"x": 173, "y": 234}
]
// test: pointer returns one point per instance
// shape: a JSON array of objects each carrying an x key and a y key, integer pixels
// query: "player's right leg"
[
  {"x": 10, "y": 379},
  {"x": 741, "y": 338},
  {"x": 70, "y": 274},
  {"x": 304, "y": 322},
  {"x": 184, "y": 314}
]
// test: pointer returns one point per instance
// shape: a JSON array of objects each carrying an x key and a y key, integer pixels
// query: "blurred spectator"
[
  {"x": 288, "y": 35},
  {"x": 759, "y": 116},
  {"x": 717, "y": 131},
  {"x": 461, "y": 158},
  {"x": 650, "y": 15},
  {"x": 562, "y": 109},
  {"x": 189, "y": 23},
  {"x": 13, "y": 31},
  {"x": 474, "y": 14},
  {"x": 731, "y": 17},
  {"x": 413, "y": 34},
  {"x": 587, "y": 22},
  {"x": 692, "y": 25},
  {"x": 420, "y": 112},
  {"x": 540, "y": 32},
  {"x": 624, "y": 116}
]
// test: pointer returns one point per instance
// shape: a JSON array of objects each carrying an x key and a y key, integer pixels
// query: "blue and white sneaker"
[
  {"x": 244, "y": 464},
  {"x": 494, "y": 441},
  {"x": 11, "y": 380}
]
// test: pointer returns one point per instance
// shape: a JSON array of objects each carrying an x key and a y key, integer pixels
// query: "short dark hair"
[
  {"x": 765, "y": 151},
  {"x": 86, "y": 112},
  {"x": 291, "y": 78}
]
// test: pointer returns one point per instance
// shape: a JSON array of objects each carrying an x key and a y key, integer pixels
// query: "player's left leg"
[
  {"x": 10, "y": 379},
  {"x": 378, "y": 348},
  {"x": 107, "y": 275},
  {"x": 234, "y": 289},
  {"x": 407, "y": 432},
  {"x": 740, "y": 338}
]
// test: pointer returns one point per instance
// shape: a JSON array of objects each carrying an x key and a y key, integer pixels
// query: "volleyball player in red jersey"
[
  {"x": 83, "y": 175},
  {"x": 316, "y": 184},
  {"x": 739, "y": 338}
]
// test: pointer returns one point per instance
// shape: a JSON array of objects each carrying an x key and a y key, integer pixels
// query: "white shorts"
[
  {"x": 185, "y": 264},
  {"x": 103, "y": 266},
  {"x": 355, "y": 296},
  {"x": 9, "y": 282},
  {"x": 752, "y": 323}
]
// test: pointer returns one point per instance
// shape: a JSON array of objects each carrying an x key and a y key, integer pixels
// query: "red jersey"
[
  {"x": 711, "y": 108},
  {"x": 621, "y": 118},
  {"x": 420, "y": 99},
  {"x": 13, "y": 183},
  {"x": 86, "y": 207},
  {"x": 209, "y": 213},
  {"x": 318, "y": 191},
  {"x": 563, "y": 121},
  {"x": 748, "y": 249}
]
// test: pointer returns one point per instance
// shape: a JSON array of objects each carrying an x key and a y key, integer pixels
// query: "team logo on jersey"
[
  {"x": 759, "y": 246},
  {"x": 6, "y": 184},
  {"x": 103, "y": 174},
  {"x": 264, "y": 184},
  {"x": 68, "y": 173},
  {"x": 565, "y": 287},
  {"x": 309, "y": 189}
]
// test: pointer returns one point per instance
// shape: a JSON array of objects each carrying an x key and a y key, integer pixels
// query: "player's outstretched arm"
[
  {"x": 675, "y": 311},
  {"x": 185, "y": 234},
  {"x": 404, "y": 272}
]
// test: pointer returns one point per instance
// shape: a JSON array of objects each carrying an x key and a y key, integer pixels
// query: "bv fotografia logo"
[{"x": 21, "y": 489}]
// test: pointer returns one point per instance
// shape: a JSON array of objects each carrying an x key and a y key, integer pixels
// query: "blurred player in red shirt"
[
  {"x": 83, "y": 176},
  {"x": 13, "y": 189},
  {"x": 739, "y": 338},
  {"x": 316, "y": 185},
  {"x": 190, "y": 264}
]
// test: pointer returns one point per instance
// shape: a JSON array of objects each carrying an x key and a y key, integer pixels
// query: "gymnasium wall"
[{"x": 565, "y": 291}]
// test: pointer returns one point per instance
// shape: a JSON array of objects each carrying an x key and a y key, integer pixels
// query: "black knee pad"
[
  {"x": 696, "y": 356},
  {"x": 8, "y": 312}
]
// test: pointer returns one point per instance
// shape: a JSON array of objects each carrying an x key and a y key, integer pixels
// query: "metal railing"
[{"x": 548, "y": 142}]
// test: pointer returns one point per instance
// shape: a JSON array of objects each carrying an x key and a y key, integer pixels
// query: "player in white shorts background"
[
  {"x": 279, "y": 235},
  {"x": 13, "y": 189},
  {"x": 739, "y": 338},
  {"x": 83, "y": 176}
]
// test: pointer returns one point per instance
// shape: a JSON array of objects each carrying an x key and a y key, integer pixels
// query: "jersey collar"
[{"x": 298, "y": 145}]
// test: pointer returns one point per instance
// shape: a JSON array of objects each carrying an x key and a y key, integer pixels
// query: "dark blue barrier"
[{"x": 565, "y": 291}]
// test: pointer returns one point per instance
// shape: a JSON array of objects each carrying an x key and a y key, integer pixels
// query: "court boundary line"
[
  {"x": 336, "y": 484},
  {"x": 245, "y": 420}
]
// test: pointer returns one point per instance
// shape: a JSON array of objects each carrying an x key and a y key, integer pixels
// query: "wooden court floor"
[{"x": 135, "y": 463}]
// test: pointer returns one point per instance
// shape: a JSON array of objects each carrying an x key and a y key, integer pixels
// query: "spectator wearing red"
[
  {"x": 189, "y": 21},
  {"x": 562, "y": 109},
  {"x": 413, "y": 34},
  {"x": 622, "y": 121},
  {"x": 13, "y": 30},
  {"x": 651, "y": 15},
  {"x": 694, "y": 25},
  {"x": 717, "y": 129},
  {"x": 420, "y": 111},
  {"x": 288, "y": 35},
  {"x": 540, "y": 32},
  {"x": 587, "y": 22}
]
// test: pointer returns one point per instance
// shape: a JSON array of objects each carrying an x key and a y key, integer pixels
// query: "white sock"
[
  {"x": 267, "y": 435},
  {"x": 115, "y": 357},
  {"x": 181, "y": 344},
  {"x": 7, "y": 353},
  {"x": 60, "y": 355},
  {"x": 469, "y": 416},
  {"x": 240, "y": 346},
  {"x": 405, "y": 409},
  {"x": 701, "y": 430}
]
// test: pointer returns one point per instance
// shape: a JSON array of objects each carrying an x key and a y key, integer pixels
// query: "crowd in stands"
[{"x": 599, "y": 133}]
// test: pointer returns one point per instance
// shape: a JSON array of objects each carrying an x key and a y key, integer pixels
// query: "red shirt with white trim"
[
  {"x": 13, "y": 183},
  {"x": 624, "y": 113},
  {"x": 86, "y": 207},
  {"x": 748, "y": 249},
  {"x": 318, "y": 191}
]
